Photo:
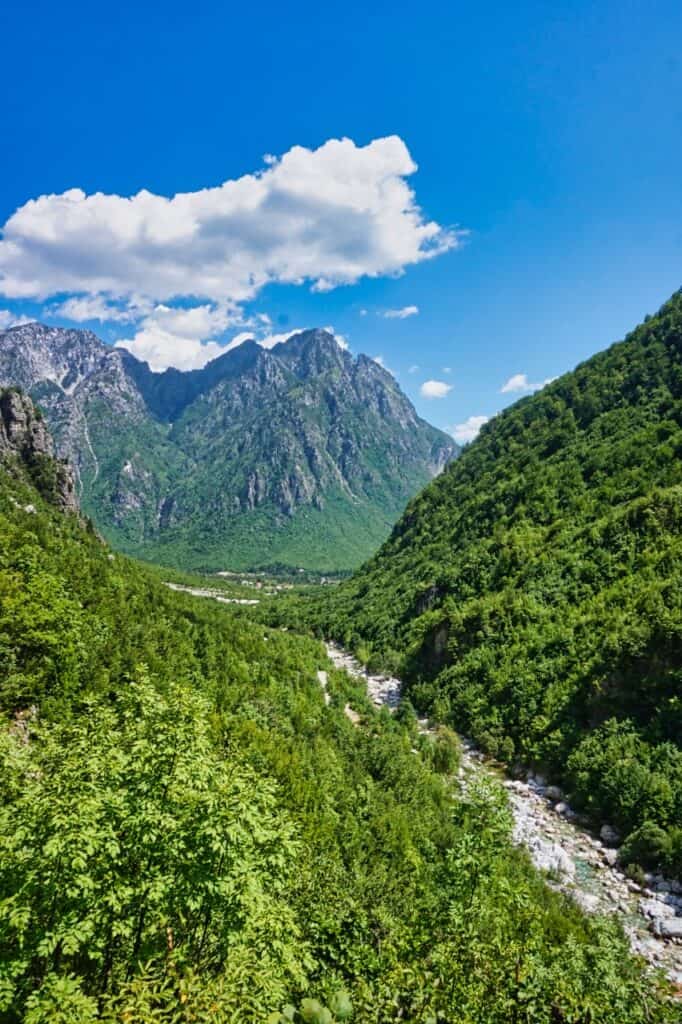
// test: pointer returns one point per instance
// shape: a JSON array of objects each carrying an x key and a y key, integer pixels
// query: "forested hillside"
[
  {"x": 188, "y": 832},
  {"x": 532, "y": 595}
]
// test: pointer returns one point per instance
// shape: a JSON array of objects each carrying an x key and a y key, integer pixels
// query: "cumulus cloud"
[
  {"x": 194, "y": 322},
  {"x": 328, "y": 217},
  {"x": 434, "y": 389},
  {"x": 179, "y": 336},
  {"x": 161, "y": 349},
  {"x": 467, "y": 431},
  {"x": 519, "y": 382},
  {"x": 400, "y": 314},
  {"x": 266, "y": 340}
]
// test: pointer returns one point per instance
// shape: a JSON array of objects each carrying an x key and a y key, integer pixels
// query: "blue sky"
[{"x": 548, "y": 139}]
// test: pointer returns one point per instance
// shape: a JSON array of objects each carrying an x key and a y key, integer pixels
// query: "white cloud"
[
  {"x": 413, "y": 368},
  {"x": 198, "y": 322},
  {"x": 10, "y": 319},
  {"x": 161, "y": 349},
  {"x": 265, "y": 341},
  {"x": 400, "y": 314},
  {"x": 447, "y": 369},
  {"x": 81, "y": 308},
  {"x": 467, "y": 431},
  {"x": 434, "y": 389},
  {"x": 328, "y": 217},
  {"x": 519, "y": 382},
  {"x": 180, "y": 337}
]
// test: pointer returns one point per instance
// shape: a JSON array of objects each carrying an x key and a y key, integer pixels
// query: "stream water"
[{"x": 576, "y": 862}]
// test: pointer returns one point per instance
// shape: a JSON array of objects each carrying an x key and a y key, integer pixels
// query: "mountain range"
[{"x": 298, "y": 455}]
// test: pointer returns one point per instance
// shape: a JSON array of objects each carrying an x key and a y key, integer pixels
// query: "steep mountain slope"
[
  {"x": 191, "y": 832},
  {"x": 300, "y": 454},
  {"x": 26, "y": 444},
  {"x": 533, "y": 593}
]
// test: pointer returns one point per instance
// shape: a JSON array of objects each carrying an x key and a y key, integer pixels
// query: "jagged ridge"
[{"x": 300, "y": 454}]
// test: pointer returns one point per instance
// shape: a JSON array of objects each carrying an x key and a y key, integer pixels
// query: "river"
[{"x": 577, "y": 863}]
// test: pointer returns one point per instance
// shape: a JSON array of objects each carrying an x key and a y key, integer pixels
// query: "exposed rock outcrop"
[{"x": 24, "y": 436}]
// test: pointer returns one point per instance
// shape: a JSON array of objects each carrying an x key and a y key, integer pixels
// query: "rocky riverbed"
[
  {"x": 217, "y": 595},
  {"x": 576, "y": 862}
]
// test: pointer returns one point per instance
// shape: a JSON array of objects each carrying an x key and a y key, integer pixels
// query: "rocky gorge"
[{"x": 575, "y": 862}]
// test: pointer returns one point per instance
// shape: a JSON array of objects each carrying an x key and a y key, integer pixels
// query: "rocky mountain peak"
[
  {"x": 60, "y": 356},
  {"x": 302, "y": 452},
  {"x": 313, "y": 352}
]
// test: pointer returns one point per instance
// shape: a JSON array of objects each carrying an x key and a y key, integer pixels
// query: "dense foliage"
[
  {"x": 532, "y": 595},
  {"x": 189, "y": 832}
]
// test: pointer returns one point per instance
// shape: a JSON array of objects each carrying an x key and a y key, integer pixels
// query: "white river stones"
[{"x": 575, "y": 862}]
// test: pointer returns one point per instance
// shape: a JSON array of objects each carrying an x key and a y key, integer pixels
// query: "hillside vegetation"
[
  {"x": 532, "y": 595},
  {"x": 189, "y": 833}
]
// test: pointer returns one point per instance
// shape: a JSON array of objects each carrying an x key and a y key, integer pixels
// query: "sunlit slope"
[
  {"x": 189, "y": 832},
  {"x": 533, "y": 592}
]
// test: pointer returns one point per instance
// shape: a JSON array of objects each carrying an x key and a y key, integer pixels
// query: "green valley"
[
  {"x": 341, "y": 513},
  {"x": 191, "y": 832},
  {"x": 532, "y": 595}
]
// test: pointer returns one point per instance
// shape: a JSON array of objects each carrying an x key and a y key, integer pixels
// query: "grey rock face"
[
  {"x": 304, "y": 428},
  {"x": 24, "y": 436},
  {"x": 35, "y": 353},
  {"x": 22, "y": 431},
  {"x": 656, "y": 909},
  {"x": 668, "y": 927}
]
